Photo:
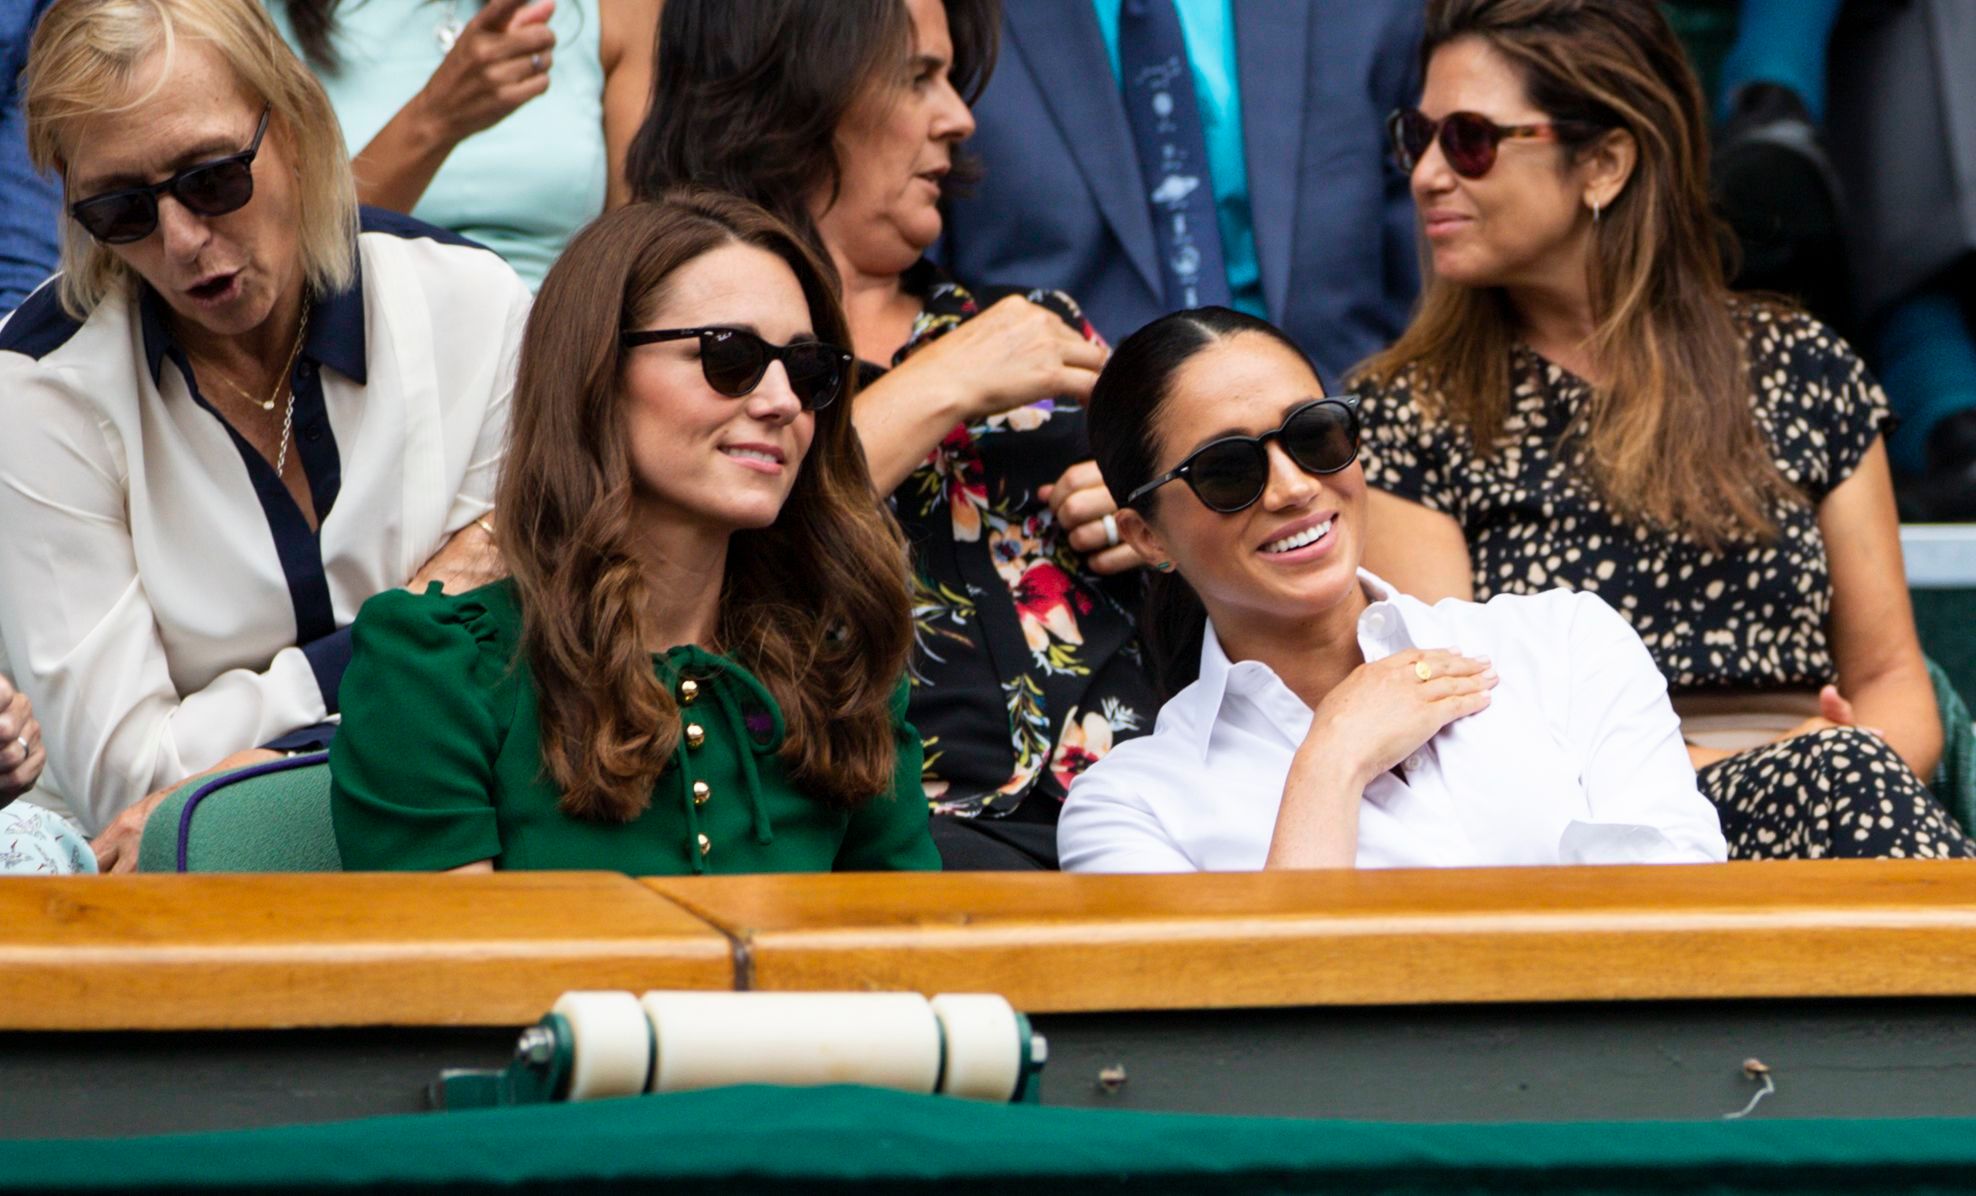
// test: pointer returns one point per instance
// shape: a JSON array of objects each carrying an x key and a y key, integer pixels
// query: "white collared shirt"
[
  {"x": 1578, "y": 758},
  {"x": 162, "y": 600}
]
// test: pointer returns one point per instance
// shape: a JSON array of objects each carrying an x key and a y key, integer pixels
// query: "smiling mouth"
[
  {"x": 1302, "y": 539},
  {"x": 748, "y": 454}
]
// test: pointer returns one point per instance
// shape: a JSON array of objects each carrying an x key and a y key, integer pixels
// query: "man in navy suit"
[{"x": 1315, "y": 225}]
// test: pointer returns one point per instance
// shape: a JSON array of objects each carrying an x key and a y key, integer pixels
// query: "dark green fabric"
[
  {"x": 1955, "y": 779},
  {"x": 1946, "y": 620},
  {"x": 861, "y": 1140},
  {"x": 273, "y": 823},
  {"x": 439, "y": 763}
]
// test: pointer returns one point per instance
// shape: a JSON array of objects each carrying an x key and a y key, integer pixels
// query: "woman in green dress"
[{"x": 697, "y": 664}]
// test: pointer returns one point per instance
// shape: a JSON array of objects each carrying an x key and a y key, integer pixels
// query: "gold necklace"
[{"x": 281, "y": 379}]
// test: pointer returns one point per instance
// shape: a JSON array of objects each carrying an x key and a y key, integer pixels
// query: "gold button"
[
  {"x": 695, "y": 735},
  {"x": 689, "y": 689},
  {"x": 706, "y": 845},
  {"x": 701, "y": 792}
]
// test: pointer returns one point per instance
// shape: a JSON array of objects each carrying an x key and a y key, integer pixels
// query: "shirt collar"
[
  {"x": 1391, "y": 623},
  {"x": 336, "y": 330}
]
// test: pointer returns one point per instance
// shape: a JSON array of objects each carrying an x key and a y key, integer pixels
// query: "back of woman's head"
[
  {"x": 815, "y": 604},
  {"x": 1674, "y": 387},
  {"x": 749, "y": 94},
  {"x": 85, "y": 62},
  {"x": 1124, "y": 424}
]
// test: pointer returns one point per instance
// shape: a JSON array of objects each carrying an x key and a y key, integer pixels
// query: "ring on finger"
[
  {"x": 1111, "y": 531},
  {"x": 1423, "y": 670},
  {"x": 535, "y": 63}
]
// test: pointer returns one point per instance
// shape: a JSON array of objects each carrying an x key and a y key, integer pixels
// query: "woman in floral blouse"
[{"x": 843, "y": 118}]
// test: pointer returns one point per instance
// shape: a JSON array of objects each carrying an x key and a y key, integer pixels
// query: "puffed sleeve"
[
  {"x": 1408, "y": 453},
  {"x": 412, "y": 769},
  {"x": 891, "y": 832},
  {"x": 1639, "y": 783}
]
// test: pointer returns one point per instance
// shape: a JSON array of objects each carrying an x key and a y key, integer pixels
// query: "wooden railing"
[{"x": 295, "y": 951}]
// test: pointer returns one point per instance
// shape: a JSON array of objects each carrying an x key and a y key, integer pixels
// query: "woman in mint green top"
[
  {"x": 505, "y": 121},
  {"x": 698, "y": 662}
]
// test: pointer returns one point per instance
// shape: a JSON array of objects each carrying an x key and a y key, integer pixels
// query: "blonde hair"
[{"x": 81, "y": 63}]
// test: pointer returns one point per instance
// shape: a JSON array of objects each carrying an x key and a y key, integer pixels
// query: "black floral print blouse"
[
  {"x": 1753, "y": 617},
  {"x": 1026, "y": 668}
]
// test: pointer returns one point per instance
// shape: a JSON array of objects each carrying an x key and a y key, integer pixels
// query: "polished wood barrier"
[
  {"x": 1057, "y": 944},
  {"x": 164, "y": 952},
  {"x": 235, "y": 952}
]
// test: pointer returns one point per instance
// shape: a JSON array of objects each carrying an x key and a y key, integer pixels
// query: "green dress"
[{"x": 439, "y": 763}]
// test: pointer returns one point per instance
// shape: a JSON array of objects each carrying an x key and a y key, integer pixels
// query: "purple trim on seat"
[{"x": 225, "y": 779}]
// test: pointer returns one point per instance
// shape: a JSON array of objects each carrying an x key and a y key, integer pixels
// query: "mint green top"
[
  {"x": 439, "y": 763},
  {"x": 522, "y": 187},
  {"x": 1208, "y": 26}
]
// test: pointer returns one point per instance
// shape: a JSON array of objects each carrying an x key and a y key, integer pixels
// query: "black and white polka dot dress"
[{"x": 1751, "y": 618}]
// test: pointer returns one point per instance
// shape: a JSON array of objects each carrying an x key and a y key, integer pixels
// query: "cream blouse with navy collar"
[
  {"x": 163, "y": 601},
  {"x": 1577, "y": 759}
]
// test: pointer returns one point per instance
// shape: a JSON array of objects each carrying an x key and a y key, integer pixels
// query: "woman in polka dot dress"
[{"x": 1581, "y": 402}]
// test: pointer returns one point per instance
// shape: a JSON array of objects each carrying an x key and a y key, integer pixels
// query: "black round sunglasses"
[
  {"x": 1230, "y": 474},
  {"x": 734, "y": 361},
  {"x": 206, "y": 189}
]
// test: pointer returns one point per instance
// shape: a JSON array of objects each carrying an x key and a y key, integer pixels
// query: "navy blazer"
[{"x": 1062, "y": 204}]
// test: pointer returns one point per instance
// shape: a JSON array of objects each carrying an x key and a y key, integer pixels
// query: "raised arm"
[
  {"x": 625, "y": 43},
  {"x": 1013, "y": 354},
  {"x": 499, "y": 62}
]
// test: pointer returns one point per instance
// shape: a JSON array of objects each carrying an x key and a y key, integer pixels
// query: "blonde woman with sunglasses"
[{"x": 241, "y": 409}]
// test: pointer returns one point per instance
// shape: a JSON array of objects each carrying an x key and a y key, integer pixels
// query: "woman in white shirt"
[
  {"x": 1316, "y": 717},
  {"x": 240, "y": 410}
]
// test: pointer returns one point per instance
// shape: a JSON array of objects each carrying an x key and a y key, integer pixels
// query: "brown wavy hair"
[
  {"x": 1671, "y": 437},
  {"x": 815, "y": 605}
]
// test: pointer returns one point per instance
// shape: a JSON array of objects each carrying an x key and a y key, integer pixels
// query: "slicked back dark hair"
[{"x": 1123, "y": 424}]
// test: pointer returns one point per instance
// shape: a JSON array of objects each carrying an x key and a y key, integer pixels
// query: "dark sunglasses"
[
  {"x": 734, "y": 362},
  {"x": 1468, "y": 139},
  {"x": 1230, "y": 474},
  {"x": 208, "y": 189}
]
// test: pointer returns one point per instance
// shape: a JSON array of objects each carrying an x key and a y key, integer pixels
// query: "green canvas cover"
[{"x": 856, "y": 1140}]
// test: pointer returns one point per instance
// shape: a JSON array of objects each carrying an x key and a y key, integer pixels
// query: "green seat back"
[{"x": 264, "y": 818}]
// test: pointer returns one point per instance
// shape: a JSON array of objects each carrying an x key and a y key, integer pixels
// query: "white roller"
[
  {"x": 706, "y": 1040},
  {"x": 611, "y": 1044},
  {"x": 984, "y": 1046}
]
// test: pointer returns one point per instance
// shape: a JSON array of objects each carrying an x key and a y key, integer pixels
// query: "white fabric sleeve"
[
  {"x": 476, "y": 495},
  {"x": 1108, "y": 823},
  {"x": 1637, "y": 775},
  {"x": 79, "y": 630}
]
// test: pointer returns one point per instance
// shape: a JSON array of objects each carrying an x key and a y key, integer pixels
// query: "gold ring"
[{"x": 1422, "y": 671}]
